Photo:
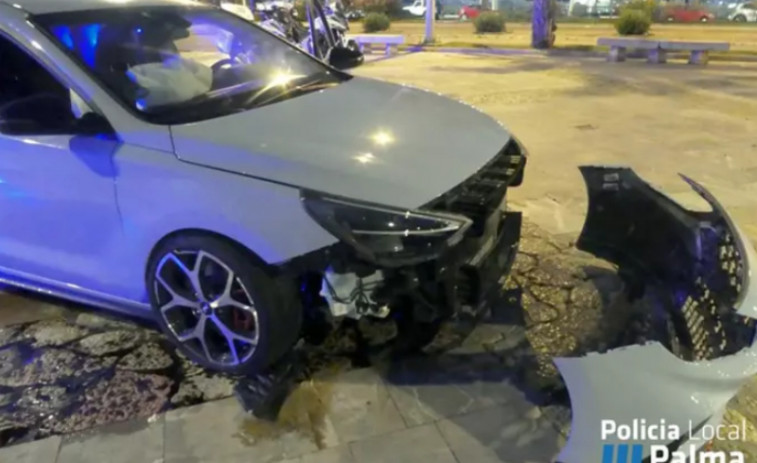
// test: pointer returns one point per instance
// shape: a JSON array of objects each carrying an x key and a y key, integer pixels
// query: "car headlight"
[{"x": 386, "y": 235}]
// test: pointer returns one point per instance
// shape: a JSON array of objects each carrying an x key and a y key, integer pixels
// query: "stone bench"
[
  {"x": 388, "y": 42},
  {"x": 657, "y": 50}
]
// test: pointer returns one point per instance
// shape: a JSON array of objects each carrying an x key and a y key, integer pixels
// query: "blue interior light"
[
  {"x": 81, "y": 39},
  {"x": 63, "y": 33},
  {"x": 91, "y": 33}
]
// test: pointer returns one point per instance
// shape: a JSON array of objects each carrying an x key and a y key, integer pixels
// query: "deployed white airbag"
[{"x": 171, "y": 81}]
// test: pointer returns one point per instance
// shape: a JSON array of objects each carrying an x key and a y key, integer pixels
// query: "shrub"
[
  {"x": 375, "y": 22},
  {"x": 633, "y": 22},
  {"x": 647, "y": 6},
  {"x": 489, "y": 22}
]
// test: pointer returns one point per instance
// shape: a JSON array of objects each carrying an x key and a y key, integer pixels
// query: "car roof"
[{"x": 59, "y": 6}]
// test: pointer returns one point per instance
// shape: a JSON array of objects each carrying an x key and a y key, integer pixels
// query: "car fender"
[{"x": 160, "y": 195}]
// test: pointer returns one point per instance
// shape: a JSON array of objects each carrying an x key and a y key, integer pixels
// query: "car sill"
[{"x": 85, "y": 296}]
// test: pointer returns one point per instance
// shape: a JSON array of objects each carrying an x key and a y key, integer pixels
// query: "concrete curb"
[{"x": 558, "y": 52}]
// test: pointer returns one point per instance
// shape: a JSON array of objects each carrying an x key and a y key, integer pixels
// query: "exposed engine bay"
[
  {"x": 350, "y": 295},
  {"x": 418, "y": 275}
]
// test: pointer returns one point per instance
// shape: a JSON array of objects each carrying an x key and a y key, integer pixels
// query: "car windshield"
[{"x": 183, "y": 63}]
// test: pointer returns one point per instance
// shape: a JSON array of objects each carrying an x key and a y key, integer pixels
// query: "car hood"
[{"x": 363, "y": 139}]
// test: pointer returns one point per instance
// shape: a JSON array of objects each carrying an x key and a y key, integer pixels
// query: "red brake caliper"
[{"x": 242, "y": 320}]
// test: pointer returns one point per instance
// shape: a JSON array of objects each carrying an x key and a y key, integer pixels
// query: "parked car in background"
[
  {"x": 354, "y": 15},
  {"x": 596, "y": 9},
  {"x": 744, "y": 12},
  {"x": 685, "y": 14},
  {"x": 722, "y": 9},
  {"x": 471, "y": 11},
  {"x": 418, "y": 8}
]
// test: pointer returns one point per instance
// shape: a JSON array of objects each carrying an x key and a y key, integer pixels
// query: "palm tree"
[{"x": 543, "y": 24}]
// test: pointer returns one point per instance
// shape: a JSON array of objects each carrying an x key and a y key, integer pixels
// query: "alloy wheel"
[{"x": 206, "y": 307}]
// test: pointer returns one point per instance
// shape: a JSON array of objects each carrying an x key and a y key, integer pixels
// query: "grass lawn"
[{"x": 743, "y": 38}]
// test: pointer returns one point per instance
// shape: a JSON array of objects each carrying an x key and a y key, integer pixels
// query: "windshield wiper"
[
  {"x": 222, "y": 101},
  {"x": 264, "y": 98}
]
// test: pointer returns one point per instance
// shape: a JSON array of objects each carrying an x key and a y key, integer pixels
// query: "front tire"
[
  {"x": 704, "y": 19},
  {"x": 219, "y": 306},
  {"x": 739, "y": 18}
]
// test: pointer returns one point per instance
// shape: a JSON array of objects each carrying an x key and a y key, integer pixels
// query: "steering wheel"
[{"x": 220, "y": 64}]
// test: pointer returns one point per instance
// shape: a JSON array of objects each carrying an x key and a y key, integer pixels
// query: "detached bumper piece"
[{"x": 703, "y": 266}]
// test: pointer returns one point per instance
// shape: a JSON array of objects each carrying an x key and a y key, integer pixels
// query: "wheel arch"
[
  {"x": 255, "y": 257},
  {"x": 278, "y": 320}
]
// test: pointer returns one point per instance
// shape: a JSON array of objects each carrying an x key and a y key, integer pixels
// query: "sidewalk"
[{"x": 366, "y": 421}]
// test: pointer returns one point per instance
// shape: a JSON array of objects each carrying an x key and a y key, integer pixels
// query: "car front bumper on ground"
[{"x": 700, "y": 265}]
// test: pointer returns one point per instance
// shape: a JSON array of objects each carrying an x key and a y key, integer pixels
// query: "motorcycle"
[
  {"x": 327, "y": 28},
  {"x": 337, "y": 17}
]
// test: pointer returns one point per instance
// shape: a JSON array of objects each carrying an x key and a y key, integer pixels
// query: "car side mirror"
[{"x": 342, "y": 57}]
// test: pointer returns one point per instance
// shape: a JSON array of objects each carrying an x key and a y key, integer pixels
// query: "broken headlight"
[{"x": 385, "y": 235}]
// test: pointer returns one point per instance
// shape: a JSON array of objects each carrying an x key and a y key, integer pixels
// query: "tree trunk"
[{"x": 543, "y": 24}]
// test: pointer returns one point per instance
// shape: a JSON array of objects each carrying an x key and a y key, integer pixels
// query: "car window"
[
  {"x": 177, "y": 64},
  {"x": 33, "y": 101}
]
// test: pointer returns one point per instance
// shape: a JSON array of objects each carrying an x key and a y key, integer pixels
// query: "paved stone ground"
[
  {"x": 470, "y": 398},
  {"x": 477, "y": 395},
  {"x": 64, "y": 369}
]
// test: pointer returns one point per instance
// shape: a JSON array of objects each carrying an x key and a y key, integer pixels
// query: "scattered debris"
[{"x": 263, "y": 395}]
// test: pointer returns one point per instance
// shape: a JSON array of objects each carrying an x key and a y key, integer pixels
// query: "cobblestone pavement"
[{"x": 484, "y": 391}]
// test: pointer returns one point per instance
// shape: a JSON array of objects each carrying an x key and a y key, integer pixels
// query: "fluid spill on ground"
[{"x": 304, "y": 412}]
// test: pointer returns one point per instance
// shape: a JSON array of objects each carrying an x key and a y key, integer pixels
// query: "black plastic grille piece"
[
  {"x": 715, "y": 329},
  {"x": 482, "y": 193}
]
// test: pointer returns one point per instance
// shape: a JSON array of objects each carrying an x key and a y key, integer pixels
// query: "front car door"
[{"x": 57, "y": 197}]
